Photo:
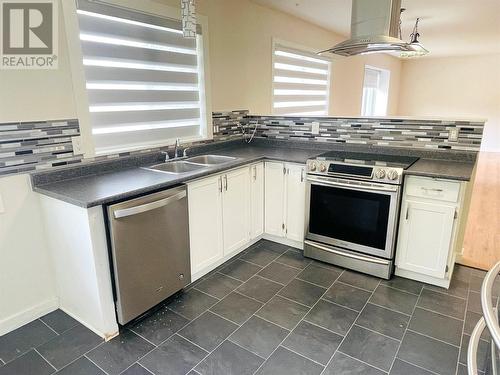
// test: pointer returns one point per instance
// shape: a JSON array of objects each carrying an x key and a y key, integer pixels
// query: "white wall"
[{"x": 454, "y": 87}]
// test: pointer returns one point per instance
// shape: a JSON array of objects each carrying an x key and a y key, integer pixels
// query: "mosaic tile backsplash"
[
  {"x": 405, "y": 133},
  {"x": 30, "y": 146}
]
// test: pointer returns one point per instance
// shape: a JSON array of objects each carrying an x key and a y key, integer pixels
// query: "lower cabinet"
[
  {"x": 285, "y": 200},
  {"x": 256, "y": 200},
  {"x": 428, "y": 229}
]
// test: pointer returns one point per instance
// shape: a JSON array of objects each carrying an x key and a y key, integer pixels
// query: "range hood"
[{"x": 374, "y": 28}]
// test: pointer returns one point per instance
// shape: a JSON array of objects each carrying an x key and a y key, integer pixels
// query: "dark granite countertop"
[
  {"x": 129, "y": 181},
  {"x": 94, "y": 190},
  {"x": 447, "y": 169}
]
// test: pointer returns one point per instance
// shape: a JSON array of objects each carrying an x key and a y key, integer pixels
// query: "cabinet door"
[
  {"x": 205, "y": 222},
  {"x": 295, "y": 201},
  {"x": 235, "y": 209},
  {"x": 425, "y": 236},
  {"x": 256, "y": 200},
  {"x": 274, "y": 198}
]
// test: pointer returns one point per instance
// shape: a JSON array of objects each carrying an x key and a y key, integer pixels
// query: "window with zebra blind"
[
  {"x": 301, "y": 82},
  {"x": 144, "y": 81}
]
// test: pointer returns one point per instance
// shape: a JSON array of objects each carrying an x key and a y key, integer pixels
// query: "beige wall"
[
  {"x": 241, "y": 35},
  {"x": 454, "y": 87}
]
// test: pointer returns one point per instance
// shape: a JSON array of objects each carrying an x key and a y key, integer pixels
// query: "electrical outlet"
[
  {"x": 77, "y": 145},
  {"x": 2, "y": 208},
  {"x": 453, "y": 134},
  {"x": 315, "y": 127}
]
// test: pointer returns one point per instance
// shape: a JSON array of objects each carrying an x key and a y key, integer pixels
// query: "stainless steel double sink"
[{"x": 190, "y": 164}]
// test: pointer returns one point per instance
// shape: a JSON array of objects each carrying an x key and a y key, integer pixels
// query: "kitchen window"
[
  {"x": 144, "y": 82},
  {"x": 301, "y": 82},
  {"x": 375, "y": 91}
]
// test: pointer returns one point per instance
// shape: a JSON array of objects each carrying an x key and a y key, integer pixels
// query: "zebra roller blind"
[
  {"x": 143, "y": 78},
  {"x": 301, "y": 82}
]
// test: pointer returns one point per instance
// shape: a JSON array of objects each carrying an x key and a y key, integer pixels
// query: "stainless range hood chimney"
[{"x": 374, "y": 28}]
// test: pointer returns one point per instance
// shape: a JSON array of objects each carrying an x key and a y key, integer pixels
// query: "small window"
[
  {"x": 301, "y": 82},
  {"x": 144, "y": 80},
  {"x": 375, "y": 92}
]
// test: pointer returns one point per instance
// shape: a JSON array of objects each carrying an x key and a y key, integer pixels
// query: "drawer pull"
[{"x": 431, "y": 189}]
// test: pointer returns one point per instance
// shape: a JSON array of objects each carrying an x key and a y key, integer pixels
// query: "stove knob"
[
  {"x": 322, "y": 168},
  {"x": 392, "y": 175},
  {"x": 312, "y": 166},
  {"x": 380, "y": 173}
]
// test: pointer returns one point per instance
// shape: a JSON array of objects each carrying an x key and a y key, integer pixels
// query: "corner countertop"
[
  {"x": 446, "y": 169},
  {"x": 114, "y": 186},
  {"x": 95, "y": 190}
]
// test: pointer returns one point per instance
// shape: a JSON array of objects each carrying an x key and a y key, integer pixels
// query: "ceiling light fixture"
[{"x": 416, "y": 47}]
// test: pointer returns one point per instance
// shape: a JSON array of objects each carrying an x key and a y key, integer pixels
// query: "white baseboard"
[
  {"x": 105, "y": 336},
  {"x": 284, "y": 241},
  {"x": 24, "y": 317},
  {"x": 443, "y": 283}
]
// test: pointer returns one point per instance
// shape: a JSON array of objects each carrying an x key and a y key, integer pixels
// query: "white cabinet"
[
  {"x": 219, "y": 218},
  {"x": 205, "y": 222},
  {"x": 285, "y": 200},
  {"x": 235, "y": 209},
  {"x": 256, "y": 200},
  {"x": 427, "y": 229}
]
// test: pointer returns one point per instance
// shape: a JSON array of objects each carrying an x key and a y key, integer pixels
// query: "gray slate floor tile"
[
  {"x": 482, "y": 353},
  {"x": 229, "y": 359},
  {"x": 175, "y": 356},
  {"x": 428, "y": 353},
  {"x": 280, "y": 273},
  {"x": 394, "y": 299},
  {"x": 333, "y": 317},
  {"x": 19, "y": 341},
  {"x": 437, "y": 326},
  {"x": 273, "y": 246},
  {"x": 59, "y": 321},
  {"x": 382, "y": 320},
  {"x": 218, "y": 285},
  {"x": 406, "y": 285},
  {"x": 370, "y": 347},
  {"x": 67, "y": 347},
  {"x": 403, "y": 368},
  {"x": 136, "y": 369},
  {"x": 236, "y": 307},
  {"x": 458, "y": 288},
  {"x": 259, "y": 336},
  {"x": 360, "y": 280},
  {"x": 471, "y": 319},
  {"x": 159, "y": 326},
  {"x": 208, "y": 330},
  {"x": 342, "y": 364},
  {"x": 260, "y": 256},
  {"x": 442, "y": 303},
  {"x": 285, "y": 362},
  {"x": 302, "y": 292},
  {"x": 259, "y": 288},
  {"x": 347, "y": 295},
  {"x": 240, "y": 270},
  {"x": 120, "y": 352},
  {"x": 30, "y": 363},
  {"x": 313, "y": 342},
  {"x": 283, "y": 312},
  {"x": 81, "y": 366},
  {"x": 294, "y": 258},
  {"x": 319, "y": 275},
  {"x": 192, "y": 303}
]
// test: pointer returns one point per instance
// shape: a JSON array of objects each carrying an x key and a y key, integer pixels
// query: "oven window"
[{"x": 349, "y": 215}]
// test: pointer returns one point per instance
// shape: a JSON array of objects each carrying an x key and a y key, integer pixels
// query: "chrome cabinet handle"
[
  {"x": 302, "y": 175},
  {"x": 352, "y": 186},
  {"x": 220, "y": 184},
  {"x": 148, "y": 206},
  {"x": 255, "y": 173},
  {"x": 225, "y": 182},
  {"x": 431, "y": 189},
  {"x": 347, "y": 255}
]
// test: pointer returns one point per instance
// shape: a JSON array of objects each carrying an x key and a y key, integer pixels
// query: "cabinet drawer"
[{"x": 432, "y": 189}]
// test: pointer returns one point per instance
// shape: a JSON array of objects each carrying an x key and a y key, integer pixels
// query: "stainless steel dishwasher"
[{"x": 150, "y": 250}]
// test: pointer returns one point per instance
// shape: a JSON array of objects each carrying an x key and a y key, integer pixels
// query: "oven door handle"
[
  {"x": 347, "y": 255},
  {"x": 328, "y": 182}
]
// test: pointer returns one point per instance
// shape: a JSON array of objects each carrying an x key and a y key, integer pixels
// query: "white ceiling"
[{"x": 447, "y": 27}]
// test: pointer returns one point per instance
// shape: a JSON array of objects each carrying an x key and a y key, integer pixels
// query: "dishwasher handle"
[{"x": 148, "y": 206}]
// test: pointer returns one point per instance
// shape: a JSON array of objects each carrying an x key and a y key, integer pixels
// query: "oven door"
[{"x": 355, "y": 215}]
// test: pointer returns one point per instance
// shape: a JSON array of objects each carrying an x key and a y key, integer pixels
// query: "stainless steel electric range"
[{"x": 353, "y": 205}]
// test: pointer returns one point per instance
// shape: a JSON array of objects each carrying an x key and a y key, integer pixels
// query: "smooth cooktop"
[{"x": 396, "y": 161}]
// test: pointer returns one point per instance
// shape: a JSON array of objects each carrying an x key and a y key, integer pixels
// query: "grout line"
[
  {"x": 141, "y": 366},
  {"x": 248, "y": 350},
  {"x": 201, "y": 291},
  {"x": 349, "y": 330},
  {"x": 433, "y": 338},
  {"x": 379, "y": 333},
  {"x": 142, "y": 337},
  {"x": 99, "y": 367},
  {"x": 284, "y": 264},
  {"x": 353, "y": 286},
  {"x": 49, "y": 327},
  {"x": 388, "y": 308},
  {"x": 338, "y": 304},
  {"x": 440, "y": 313},
  {"x": 231, "y": 277},
  {"x": 400, "y": 290},
  {"x": 420, "y": 367},
  {"x": 446, "y": 294},
  {"x": 45, "y": 359},
  {"x": 301, "y": 355},
  {"x": 463, "y": 325},
  {"x": 309, "y": 282},
  {"x": 291, "y": 300},
  {"x": 366, "y": 363}
]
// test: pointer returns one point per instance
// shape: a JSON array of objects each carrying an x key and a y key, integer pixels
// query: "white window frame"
[
  {"x": 284, "y": 43},
  {"x": 381, "y": 99},
  {"x": 79, "y": 83}
]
